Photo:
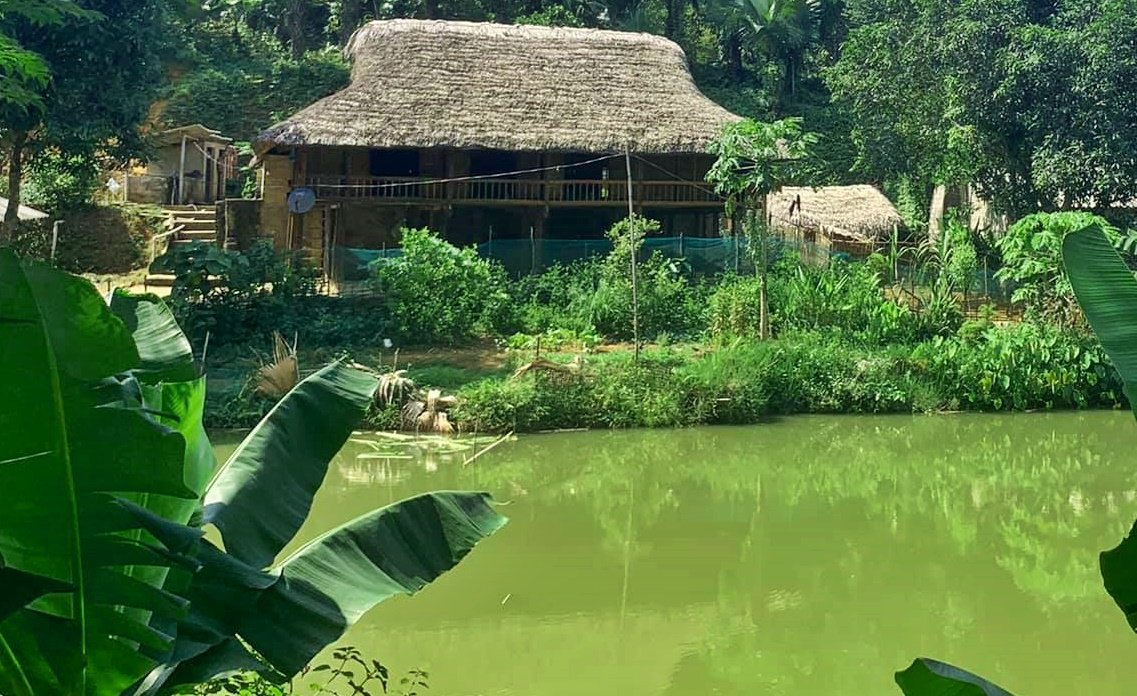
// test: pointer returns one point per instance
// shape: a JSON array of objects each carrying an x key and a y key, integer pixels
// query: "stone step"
[
  {"x": 191, "y": 208},
  {"x": 159, "y": 280},
  {"x": 195, "y": 226}
]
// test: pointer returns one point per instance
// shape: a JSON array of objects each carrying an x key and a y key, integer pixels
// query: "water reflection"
[{"x": 812, "y": 555}]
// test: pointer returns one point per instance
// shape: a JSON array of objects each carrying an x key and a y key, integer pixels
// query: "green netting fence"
[
  {"x": 700, "y": 255},
  {"x": 521, "y": 256}
]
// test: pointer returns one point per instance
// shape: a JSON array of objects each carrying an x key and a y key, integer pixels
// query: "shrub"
[
  {"x": 435, "y": 292},
  {"x": 93, "y": 239},
  {"x": 57, "y": 182},
  {"x": 499, "y": 405},
  {"x": 734, "y": 308},
  {"x": 665, "y": 298},
  {"x": 1032, "y": 263},
  {"x": 1020, "y": 367},
  {"x": 560, "y": 298},
  {"x": 241, "y": 297}
]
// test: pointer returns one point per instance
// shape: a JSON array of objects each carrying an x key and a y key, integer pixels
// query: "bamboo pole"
[{"x": 635, "y": 287}]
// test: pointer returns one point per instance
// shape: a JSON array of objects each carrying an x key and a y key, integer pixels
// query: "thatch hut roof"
[
  {"x": 419, "y": 83},
  {"x": 859, "y": 213}
]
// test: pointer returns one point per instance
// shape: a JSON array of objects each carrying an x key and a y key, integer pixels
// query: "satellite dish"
[{"x": 301, "y": 200}]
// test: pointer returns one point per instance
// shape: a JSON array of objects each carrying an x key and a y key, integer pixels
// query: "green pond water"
[{"x": 813, "y": 555}]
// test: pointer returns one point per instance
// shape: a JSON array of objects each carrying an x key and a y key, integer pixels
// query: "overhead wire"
[{"x": 472, "y": 177}]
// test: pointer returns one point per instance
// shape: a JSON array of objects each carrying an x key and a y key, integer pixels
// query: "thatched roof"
[
  {"x": 856, "y": 213},
  {"x": 419, "y": 83}
]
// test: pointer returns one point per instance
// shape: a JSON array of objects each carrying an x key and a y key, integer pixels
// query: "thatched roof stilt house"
[{"x": 487, "y": 129}]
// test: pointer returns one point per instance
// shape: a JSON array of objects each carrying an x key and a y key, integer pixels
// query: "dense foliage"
[
  {"x": 849, "y": 336},
  {"x": 1032, "y": 262},
  {"x": 1028, "y": 100},
  {"x": 1025, "y": 367}
]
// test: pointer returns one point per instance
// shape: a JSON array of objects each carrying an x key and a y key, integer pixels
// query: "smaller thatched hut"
[{"x": 854, "y": 219}]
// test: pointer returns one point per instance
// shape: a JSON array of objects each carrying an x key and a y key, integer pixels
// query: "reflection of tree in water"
[{"x": 826, "y": 512}]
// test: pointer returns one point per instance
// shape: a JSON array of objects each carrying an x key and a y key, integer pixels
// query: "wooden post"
[
  {"x": 205, "y": 193},
  {"x": 764, "y": 297},
  {"x": 182, "y": 173},
  {"x": 635, "y": 287},
  {"x": 55, "y": 237}
]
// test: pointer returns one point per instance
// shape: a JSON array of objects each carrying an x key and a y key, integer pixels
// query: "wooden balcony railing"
[{"x": 584, "y": 192}]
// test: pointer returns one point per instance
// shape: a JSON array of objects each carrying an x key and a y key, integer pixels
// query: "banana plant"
[{"x": 109, "y": 584}]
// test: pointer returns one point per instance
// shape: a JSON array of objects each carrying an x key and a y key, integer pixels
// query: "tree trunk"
[
  {"x": 15, "y": 178},
  {"x": 297, "y": 11},
  {"x": 757, "y": 224},
  {"x": 734, "y": 56},
  {"x": 673, "y": 25},
  {"x": 430, "y": 9},
  {"x": 350, "y": 14}
]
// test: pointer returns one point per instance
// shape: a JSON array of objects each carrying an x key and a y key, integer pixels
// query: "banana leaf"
[
  {"x": 289, "y": 612},
  {"x": 925, "y": 677},
  {"x": 164, "y": 350},
  {"x": 73, "y": 445},
  {"x": 262, "y": 495},
  {"x": 260, "y": 498},
  {"x": 1107, "y": 294}
]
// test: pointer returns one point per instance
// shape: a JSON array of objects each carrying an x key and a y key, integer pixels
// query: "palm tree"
[{"x": 782, "y": 29}]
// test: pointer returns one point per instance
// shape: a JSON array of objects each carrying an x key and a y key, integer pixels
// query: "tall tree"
[
  {"x": 783, "y": 29},
  {"x": 106, "y": 68},
  {"x": 1027, "y": 99}
]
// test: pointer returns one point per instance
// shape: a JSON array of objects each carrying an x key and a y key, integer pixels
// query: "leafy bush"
[
  {"x": 734, "y": 309},
  {"x": 499, "y": 405},
  {"x": 58, "y": 182},
  {"x": 841, "y": 298},
  {"x": 242, "y": 297},
  {"x": 1032, "y": 263},
  {"x": 436, "y": 292},
  {"x": 93, "y": 239},
  {"x": 560, "y": 298},
  {"x": 1020, "y": 367}
]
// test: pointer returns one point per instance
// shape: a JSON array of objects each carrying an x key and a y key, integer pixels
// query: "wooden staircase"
[{"x": 190, "y": 223}]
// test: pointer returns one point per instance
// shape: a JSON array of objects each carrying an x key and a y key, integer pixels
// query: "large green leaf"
[
  {"x": 74, "y": 439},
  {"x": 262, "y": 495},
  {"x": 1107, "y": 293},
  {"x": 292, "y": 611},
  {"x": 1119, "y": 573},
  {"x": 163, "y": 348},
  {"x": 925, "y": 677}
]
